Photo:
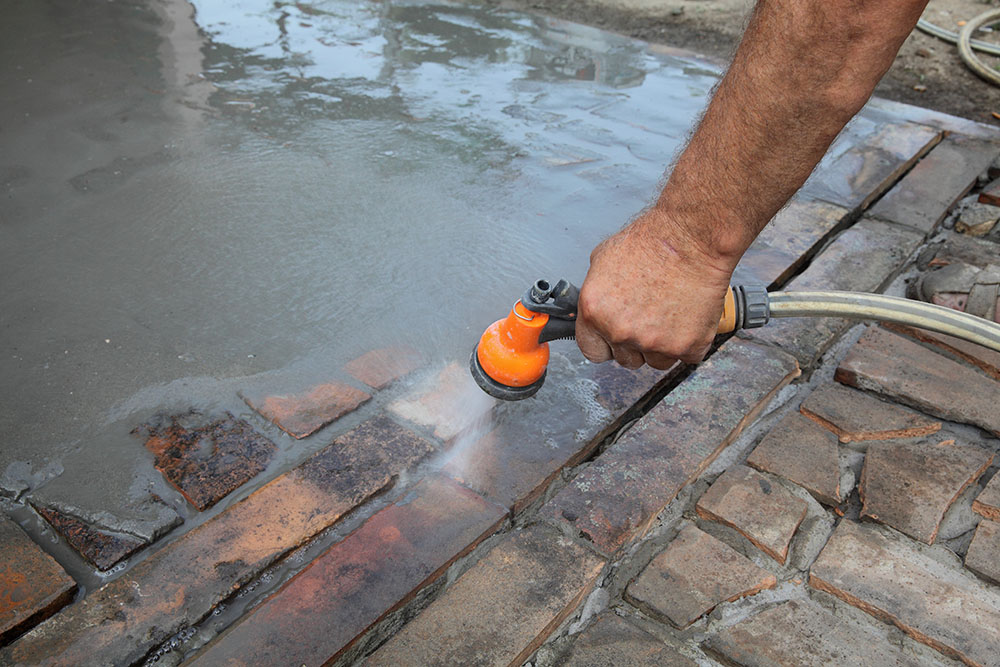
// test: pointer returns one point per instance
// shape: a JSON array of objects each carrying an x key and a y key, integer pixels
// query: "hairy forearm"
[{"x": 802, "y": 70}]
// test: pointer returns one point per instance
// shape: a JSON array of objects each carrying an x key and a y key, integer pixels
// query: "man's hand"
[{"x": 651, "y": 296}]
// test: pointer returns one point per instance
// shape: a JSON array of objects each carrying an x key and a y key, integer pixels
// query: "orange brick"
[
  {"x": 380, "y": 368},
  {"x": 855, "y": 416},
  {"x": 988, "y": 502},
  {"x": 802, "y": 452},
  {"x": 983, "y": 556},
  {"x": 985, "y": 359},
  {"x": 102, "y": 548},
  {"x": 301, "y": 415},
  {"x": 449, "y": 402}
]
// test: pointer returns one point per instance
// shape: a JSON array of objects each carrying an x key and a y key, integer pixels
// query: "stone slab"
[
  {"x": 855, "y": 416},
  {"x": 503, "y": 608},
  {"x": 988, "y": 502},
  {"x": 983, "y": 556},
  {"x": 302, "y": 414},
  {"x": 449, "y": 402},
  {"x": 893, "y": 366},
  {"x": 764, "y": 512},
  {"x": 178, "y": 585},
  {"x": 863, "y": 258},
  {"x": 694, "y": 574},
  {"x": 33, "y": 586},
  {"x": 801, "y": 632},
  {"x": 101, "y": 548},
  {"x": 990, "y": 194},
  {"x": 617, "y": 497},
  {"x": 985, "y": 359},
  {"x": 802, "y": 452},
  {"x": 611, "y": 640},
  {"x": 923, "y": 197},
  {"x": 381, "y": 367},
  {"x": 375, "y": 570},
  {"x": 930, "y": 599}
]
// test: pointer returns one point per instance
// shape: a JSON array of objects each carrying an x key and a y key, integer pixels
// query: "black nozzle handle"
[{"x": 557, "y": 329}]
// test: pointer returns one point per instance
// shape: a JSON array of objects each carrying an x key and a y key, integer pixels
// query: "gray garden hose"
[
  {"x": 864, "y": 306},
  {"x": 965, "y": 47},
  {"x": 952, "y": 38}
]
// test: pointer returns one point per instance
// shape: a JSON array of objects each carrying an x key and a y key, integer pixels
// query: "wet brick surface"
[
  {"x": 33, "y": 586},
  {"x": 449, "y": 403},
  {"x": 617, "y": 496},
  {"x": 500, "y": 610},
  {"x": 855, "y": 416},
  {"x": 800, "y": 451},
  {"x": 611, "y": 640},
  {"x": 988, "y": 502},
  {"x": 102, "y": 548},
  {"x": 206, "y": 463},
  {"x": 301, "y": 415},
  {"x": 910, "y": 486},
  {"x": 380, "y": 368},
  {"x": 983, "y": 556},
  {"x": 932, "y": 600},
  {"x": 376, "y": 569},
  {"x": 905, "y": 371},
  {"x": 694, "y": 574}
]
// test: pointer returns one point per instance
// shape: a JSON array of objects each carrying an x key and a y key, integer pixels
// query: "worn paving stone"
[
  {"x": 983, "y": 358},
  {"x": 450, "y": 403},
  {"x": 983, "y": 556},
  {"x": 910, "y": 485},
  {"x": 695, "y": 573},
  {"x": 765, "y": 513},
  {"x": 855, "y": 416},
  {"x": 991, "y": 193},
  {"x": 856, "y": 177},
  {"x": 101, "y": 548},
  {"x": 802, "y": 452},
  {"x": 619, "y": 388},
  {"x": 863, "y": 259},
  {"x": 907, "y": 372},
  {"x": 178, "y": 585},
  {"x": 932, "y": 600},
  {"x": 207, "y": 462},
  {"x": 33, "y": 586},
  {"x": 801, "y": 632},
  {"x": 300, "y": 415},
  {"x": 502, "y": 609},
  {"x": 988, "y": 502},
  {"x": 611, "y": 640},
  {"x": 376, "y": 569},
  {"x": 923, "y": 197},
  {"x": 380, "y": 368},
  {"x": 621, "y": 492}
]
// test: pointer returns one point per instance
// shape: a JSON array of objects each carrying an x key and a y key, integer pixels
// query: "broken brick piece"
[
  {"x": 448, "y": 402},
  {"x": 910, "y": 373},
  {"x": 611, "y": 640},
  {"x": 101, "y": 547},
  {"x": 301, "y": 415},
  {"x": 695, "y": 573},
  {"x": 802, "y": 452},
  {"x": 895, "y": 580},
  {"x": 855, "y": 416},
  {"x": 206, "y": 463},
  {"x": 764, "y": 512},
  {"x": 983, "y": 358},
  {"x": 503, "y": 608},
  {"x": 988, "y": 502},
  {"x": 983, "y": 556},
  {"x": 380, "y": 368},
  {"x": 33, "y": 586},
  {"x": 991, "y": 193},
  {"x": 910, "y": 485}
]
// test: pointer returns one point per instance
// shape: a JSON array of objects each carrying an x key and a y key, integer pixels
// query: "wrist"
[{"x": 707, "y": 243}]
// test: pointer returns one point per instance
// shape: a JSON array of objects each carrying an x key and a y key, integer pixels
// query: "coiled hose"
[
  {"x": 966, "y": 44},
  {"x": 864, "y": 306}
]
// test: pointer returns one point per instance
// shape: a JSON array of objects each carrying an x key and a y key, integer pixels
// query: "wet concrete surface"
[{"x": 194, "y": 200}]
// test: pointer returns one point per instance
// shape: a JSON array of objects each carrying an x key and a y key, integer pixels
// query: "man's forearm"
[{"x": 802, "y": 70}]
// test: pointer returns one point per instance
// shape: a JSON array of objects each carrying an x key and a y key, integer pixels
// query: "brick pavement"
[{"x": 675, "y": 523}]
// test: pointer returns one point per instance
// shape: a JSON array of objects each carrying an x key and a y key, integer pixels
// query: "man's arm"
[{"x": 803, "y": 69}]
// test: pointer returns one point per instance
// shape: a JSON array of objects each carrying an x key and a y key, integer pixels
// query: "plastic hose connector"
[{"x": 755, "y": 308}]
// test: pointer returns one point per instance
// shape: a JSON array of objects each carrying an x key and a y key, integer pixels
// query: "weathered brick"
[
  {"x": 380, "y": 368},
  {"x": 923, "y": 197},
  {"x": 450, "y": 403},
  {"x": 695, "y": 573},
  {"x": 959, "y": 248},
  {"x": 801, "y": 632},
  {"x": 502, "y": 609},
  {"x": 611, "y": 640},
  {"x": 991, "y": 193},
  {"x": 358, "y": 581},
  {"x": 619, "y": 388},
  {"x": 862, "y": 259},
  {"x": 983, "y": 358},
  {"x": 855, "y": 416},
  {"x": 988, "y": 502},
  {"x": 765, "y": 513},
  {"x": 621, "y": 492},
  {"x": 175, "y": 587},
  {"x": 207, "y": 462},
  {"x": 300, "y": 415},
  {"x": 32, "y": 584},
  {"x": 802, "y": 452},
  {"x": 910, "y": 485},
  {"x": 983, "y": 556},
  {"x": 855, "y": 177},
  {"x": 929, "y": 599},
  {"x": 101, "y": 547},
  {"x": 910, "y": 373}
]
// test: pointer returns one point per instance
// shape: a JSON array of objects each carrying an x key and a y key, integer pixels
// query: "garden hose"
[{"x": 966, "y": 44}]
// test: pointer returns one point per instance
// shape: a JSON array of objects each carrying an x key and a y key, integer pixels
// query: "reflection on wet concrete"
[{"x": 197, "y": 198}]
